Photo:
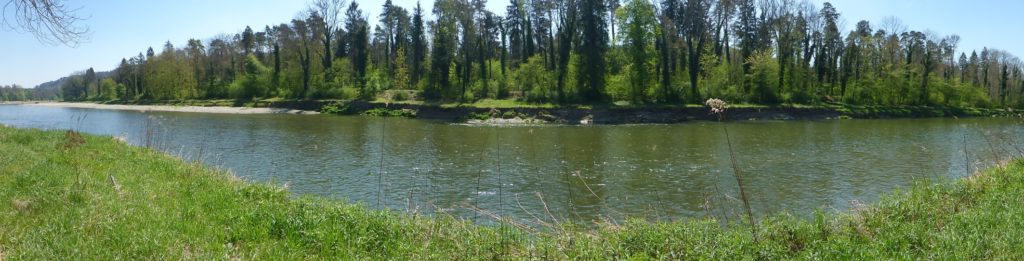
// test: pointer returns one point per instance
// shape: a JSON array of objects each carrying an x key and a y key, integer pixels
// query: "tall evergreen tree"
[
  {"x": 695, "y": 34},
  {"x": 248, "y": 41},
  {"x": 419, "y": 44},
  {"x": 359, "y": 37},
  {"x": 566, "y": 38},
  {"x": 593, "y": 46}
]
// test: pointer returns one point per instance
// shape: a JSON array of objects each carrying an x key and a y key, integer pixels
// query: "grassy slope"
[{"x": 59, "y": 202}]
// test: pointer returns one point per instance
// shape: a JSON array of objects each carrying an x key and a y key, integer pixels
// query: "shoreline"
[
  {"x": 17, "y": 102},
  {"x": 171, "y": 108},
  {"x": 611, "y": 115},
  {"x": 587, "y": 115}
]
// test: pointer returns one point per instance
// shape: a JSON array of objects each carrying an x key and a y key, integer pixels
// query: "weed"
[
  {"x": 385, "y": 112},
  {"x": 72, "y": 139},
  {"x": 718, "y": 107}
]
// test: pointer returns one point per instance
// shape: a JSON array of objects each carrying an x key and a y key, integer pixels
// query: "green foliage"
[
  {"x": 343, "y": 86},
  {"x": 401, "y": 76},
  {"x": 376, "y": 82},
  {"x": 481, "y": 116},
  {"x": 494, "y": 86},
  {"x": 15, "y": 93},
  {"x": 618, "y": 87},
  {"x": 169, "y": 77},
  {"x": 111, "y": 90},
  {"x": 512, "y": 114},
  {"x": 384, "y": 112},
  {"x": 336, "y": 107},
  {"x": 397, "y": 96},
  {"x": 764, "y": 71},
  {"x": 725, "y": 81},
  {"x": 593, "y": 45},
  {"x": 661, "y": 52},
  {"x": 534, "y": 81},
  {"x": 637, "y": 19},
  {"x": 958, "y": 95},
  {"x": 255, "y": 83}
]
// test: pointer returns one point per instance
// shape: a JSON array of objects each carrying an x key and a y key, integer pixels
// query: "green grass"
[{"x": 101, "y": 199}]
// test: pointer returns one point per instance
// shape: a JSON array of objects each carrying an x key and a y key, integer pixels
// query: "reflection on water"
[{"x": 582, "y": 174}]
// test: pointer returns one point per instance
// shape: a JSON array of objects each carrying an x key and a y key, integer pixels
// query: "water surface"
[{"x": 569, "y": 173}]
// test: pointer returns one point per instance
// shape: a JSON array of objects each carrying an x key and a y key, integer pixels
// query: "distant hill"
[
  {"x": 51, "y": 90},
  {"x": 55, "y": 84}
]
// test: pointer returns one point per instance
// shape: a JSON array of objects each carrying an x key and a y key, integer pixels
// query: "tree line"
[
  {"x": 16, "y": 92},
  {"x": 573, "y": 51}
]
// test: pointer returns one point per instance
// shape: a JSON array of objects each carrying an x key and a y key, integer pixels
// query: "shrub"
[
  {"x": 384, "y": 112},
  {"x": 336, "y": 108},
  {"x": 534, "y": 80},
  {"x": 509, "y": 114},
  {"x": 254, "y": 83},
  {"x": 763, "y": 77}
]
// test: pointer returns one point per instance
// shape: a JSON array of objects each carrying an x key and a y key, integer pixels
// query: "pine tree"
[{"x": 593, "y": 46}]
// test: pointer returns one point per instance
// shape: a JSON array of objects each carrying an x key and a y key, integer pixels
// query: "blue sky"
[{"x": 122, "y": 28}]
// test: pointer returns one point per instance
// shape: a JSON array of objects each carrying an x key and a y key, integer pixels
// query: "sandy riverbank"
[
  {"x": 14, "y": 102},
  {"x": 167, "y": 108}
]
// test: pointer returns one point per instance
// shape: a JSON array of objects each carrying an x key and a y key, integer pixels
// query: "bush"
[
  {"x": 509, "y": 114},
  {"x": 376, "y": 82},
  {"x": 723, "y": 81},
  {"x": 618, "y": 87},
  {"x": 384, "y": 112},
  {"x": 343, "y": 93},
  {"x": 399, "y": 96},
  {"x": 336, "y": 108},
  {"x": 483, "y": 116},
  {"x": 110, "y": 89},
  {"x": 763, "y": 77},
  {"x": 534, "y": 80},
  {"x": 254, "y": 83}
]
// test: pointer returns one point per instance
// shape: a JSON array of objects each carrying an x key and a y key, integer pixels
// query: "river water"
[{"x": 583, "y": 174}]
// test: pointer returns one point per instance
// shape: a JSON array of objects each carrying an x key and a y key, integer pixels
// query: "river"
[{"x": 583, "y": 174}]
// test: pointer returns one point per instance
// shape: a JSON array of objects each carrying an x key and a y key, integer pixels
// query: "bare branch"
[{"x": 51, "y": 21}]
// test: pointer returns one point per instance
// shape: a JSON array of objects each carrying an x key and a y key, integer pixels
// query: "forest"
[
  {"x": 16, "y": 93},
  {"x": 634, "y": 52}
]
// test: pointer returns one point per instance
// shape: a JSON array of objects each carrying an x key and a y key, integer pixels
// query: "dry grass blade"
[
  {"x": 72, "y": 139},
  {"x": 380, "y": 168},
  {"x": 21, "y": 205},
  {"x": 501, "y": 219},
  {"x": 718, "y": 107},
  {"x": 604, "y": 203},
  {"x": 528, "y": 212},
  {"x": 546, "y": 209},
  {"x": 967, "y": 159},
  {"x": 116, "y": 186}
]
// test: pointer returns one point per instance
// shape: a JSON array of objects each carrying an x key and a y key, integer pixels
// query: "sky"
[{"x": 124, "y": 28}]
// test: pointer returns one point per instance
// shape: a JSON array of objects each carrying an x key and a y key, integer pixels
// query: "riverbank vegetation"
[
  {"x": 72, "y": 195},
  {"x": 636, "y": 52}
]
